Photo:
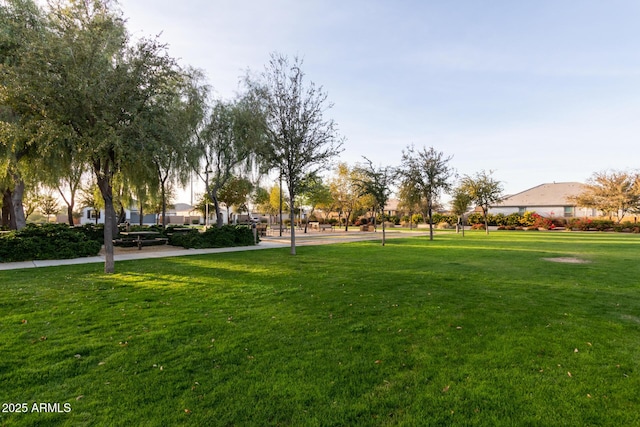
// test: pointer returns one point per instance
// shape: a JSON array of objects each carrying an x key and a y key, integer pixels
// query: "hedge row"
[
  {"x": 227, "y": 236},
  {"x": 47, "y": 241}
]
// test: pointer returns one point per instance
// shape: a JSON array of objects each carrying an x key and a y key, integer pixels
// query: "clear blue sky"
[{"x": 538, "y": 91}]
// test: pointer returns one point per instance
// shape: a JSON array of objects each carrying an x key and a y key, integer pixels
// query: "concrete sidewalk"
[{"x": 309, "y": 239}]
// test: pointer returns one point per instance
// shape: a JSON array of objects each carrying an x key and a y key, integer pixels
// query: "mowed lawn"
[{"x": 480, "y": 330}]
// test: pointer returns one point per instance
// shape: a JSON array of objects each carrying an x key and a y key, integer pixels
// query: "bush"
[
  {"x": 227, "y": 236},
  {"x": 477, "y": 227},
  {"x": 92, "y": 231},
  {"x": 475, "y": 218},
  {"x": 47, "y": 241},
  {"x": 513, "y": 219}
]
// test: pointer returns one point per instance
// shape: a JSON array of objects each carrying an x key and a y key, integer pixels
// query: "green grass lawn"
[{"x": 479, "y": 330}]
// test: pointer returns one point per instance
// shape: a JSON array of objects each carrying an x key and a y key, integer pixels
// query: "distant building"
[{"x": 549, "y": 200}]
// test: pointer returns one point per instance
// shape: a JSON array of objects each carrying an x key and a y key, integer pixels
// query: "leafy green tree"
[
  {"x": 299, "y": 140},
  {"x": 427, "y": 173},
  {"x": 483, "y": 190},
  {"x": 345, "y": 191},
  {"x": 460, "y": 205},
  {"x": 48, "y": 205},
  {"x": 90, "y": 197},
  {"x": 226, "y": 145},
  {"x": 235, "y": 193},
  {"x": 23, "y": 30},
  {"x": 314, "y": 193},
  {"x": 376, "y": 182},
  {"x": 93, "y": 89},
  {"x": 614, "y": 192}
]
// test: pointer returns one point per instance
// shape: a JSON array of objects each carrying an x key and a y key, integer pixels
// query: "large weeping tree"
[
  {"x": 300, "y": 140},
  {"x": 88, "y": 85},
  {"x": 227, "y": 145}
]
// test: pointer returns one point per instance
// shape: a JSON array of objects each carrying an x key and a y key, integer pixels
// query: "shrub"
[
  {"x": 541, "y": 222},
  {"x": 227, "y": 236},
  {"x": 513, "y": 219},
  {"x": 475, "y": 218},
  {"x": 477, "y": 227},
  {"x": 47, "y": 241},
  {"x": 92, "y": 231}
]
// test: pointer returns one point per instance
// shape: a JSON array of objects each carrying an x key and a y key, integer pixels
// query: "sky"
[{"x": 535, "y": 91}]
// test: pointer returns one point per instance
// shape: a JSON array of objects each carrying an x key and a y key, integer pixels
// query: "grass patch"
[{"x": 478, "y": 330}]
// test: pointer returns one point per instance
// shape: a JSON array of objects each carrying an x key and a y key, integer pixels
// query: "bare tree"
[{"x": 300, "y": 140}]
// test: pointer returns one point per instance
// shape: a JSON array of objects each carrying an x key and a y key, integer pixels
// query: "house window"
[
  {"x": 568, "y": 211},
  {"x": 93, "y": 214},
  {"x": 521, "y": 210}
]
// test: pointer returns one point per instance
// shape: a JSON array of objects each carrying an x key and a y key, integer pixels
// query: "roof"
[{"x": 554, "y": 194}]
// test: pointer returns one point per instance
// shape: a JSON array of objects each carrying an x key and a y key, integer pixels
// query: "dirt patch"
[{"x": 567, "y": 260}]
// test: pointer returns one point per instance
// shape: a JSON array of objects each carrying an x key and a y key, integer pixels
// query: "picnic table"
[{"x": 139, "y": 237}]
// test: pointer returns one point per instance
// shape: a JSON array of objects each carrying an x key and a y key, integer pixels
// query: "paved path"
[{"x": 315, "y": 238}]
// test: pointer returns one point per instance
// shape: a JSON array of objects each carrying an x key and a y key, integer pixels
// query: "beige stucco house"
[{"x": 549, "y": 200}]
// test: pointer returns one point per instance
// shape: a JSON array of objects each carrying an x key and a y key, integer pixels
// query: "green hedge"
[
  {"x": 227, "y": 236},
  {"x": 47, "y": 241}
]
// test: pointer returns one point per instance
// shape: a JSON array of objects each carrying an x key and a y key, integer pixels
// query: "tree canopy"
[{"x": 299, "y": 139}]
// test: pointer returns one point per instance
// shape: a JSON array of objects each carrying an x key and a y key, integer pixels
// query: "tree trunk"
[
  {"x": 164, "y": 204},
  {"x": 16, "y": 202},
  {"x": 346, "y": 221},
  {"x": 384, "y": 236},
  {"x": 7, "y": 208},
  {"x": 292, "y": 219},
  {"x": 70, "y": 215},
  {"x": 109, "y": 215},
  {"x": 430, "y": 213},
  {"x": 216, "y": 209},
  {"x": 486, "y": 221},
  {"x": 141, "y": 219}
]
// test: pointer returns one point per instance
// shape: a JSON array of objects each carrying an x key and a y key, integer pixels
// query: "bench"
[
  {"x": 323, "y": 227},
  {"x": 131, "y": 242},
  {"x": 261, "y": 229}
]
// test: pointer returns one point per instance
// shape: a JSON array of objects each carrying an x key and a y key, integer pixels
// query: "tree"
[
  {"x": 376, "y": 182},
  {"x": 235, "y": 192},
  {"x": 615, "y": 193},
  {"x": 427, "y": 173},
  {"x": 171, "y": 123},
  {"x": 460, "y": 205},
  {"x": 23, "y": 32},
  {"x": 484, "y": 191},
  {"x": 71, "y": 181},
  {"x": 300, "y": 141},
  {"x": 227, "y": 145},
  {"x": 89, "y": 88},
  {"x": 90, "y": 198},
  {"x": 48, "y": 205},
  {"x": 314, "y": 193},
  {"x": 345, "y": 191}
]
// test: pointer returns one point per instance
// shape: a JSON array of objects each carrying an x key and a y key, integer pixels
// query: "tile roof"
[{"x": 553, "y": 194}]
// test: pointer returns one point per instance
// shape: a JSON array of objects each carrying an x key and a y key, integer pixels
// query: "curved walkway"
[{"x": 269, "y": 242}]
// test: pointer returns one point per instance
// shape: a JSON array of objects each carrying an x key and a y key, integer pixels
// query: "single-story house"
[{"x": 549, "y": 200}]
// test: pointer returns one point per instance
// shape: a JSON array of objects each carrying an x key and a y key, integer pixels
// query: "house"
[
  {"x": 549, "y": 200},
  {"x": 182, "y": 213}
]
